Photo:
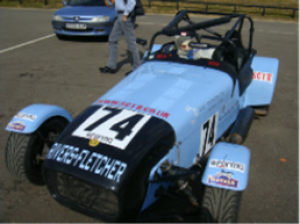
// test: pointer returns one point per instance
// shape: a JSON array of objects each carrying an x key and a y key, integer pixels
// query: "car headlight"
[
  {"x": 57, "y": 18},
  {"x": 100, "y": 19}
]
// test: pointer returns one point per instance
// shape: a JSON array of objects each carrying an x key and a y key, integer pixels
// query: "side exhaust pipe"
[
  {"x": 263, "y": 111},
  {"x": 241, "y": 127}
]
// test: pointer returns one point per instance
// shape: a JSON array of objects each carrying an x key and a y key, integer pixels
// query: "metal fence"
[{"x": 207, "y": 4}]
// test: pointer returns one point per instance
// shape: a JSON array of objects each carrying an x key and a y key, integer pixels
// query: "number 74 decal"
[
  {"x": 112, "y": 126},
  {"x": 208, "y": 134}
]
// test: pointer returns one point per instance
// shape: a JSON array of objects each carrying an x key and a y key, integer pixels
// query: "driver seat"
[{"x": 225, "y": 51}]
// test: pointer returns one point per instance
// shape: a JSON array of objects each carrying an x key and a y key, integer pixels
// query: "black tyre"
[
  {"x": 220, "y": 205},
  {"x": 24, "y": 153}
]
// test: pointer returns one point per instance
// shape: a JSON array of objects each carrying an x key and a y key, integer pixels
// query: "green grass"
[
  {"x": 51, "y": 4},
  {"x": 163, "y": 7},
  {"x": 160, "y": 6}
]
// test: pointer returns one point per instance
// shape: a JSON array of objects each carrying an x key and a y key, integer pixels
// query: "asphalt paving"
[{"x": 36, "y": 67}]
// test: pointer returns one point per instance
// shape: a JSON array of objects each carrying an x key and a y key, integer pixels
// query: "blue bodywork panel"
[
  {"x": 179, "y": 92},
  {"x": 155, "y": 47},
  {"x": 30, "y": 118},
  {"x": 260, "y": 91},
  {"x": 227, "y": 167}
]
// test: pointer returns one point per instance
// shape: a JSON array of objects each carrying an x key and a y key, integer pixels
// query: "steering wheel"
[{"x": 168, "y": 47}]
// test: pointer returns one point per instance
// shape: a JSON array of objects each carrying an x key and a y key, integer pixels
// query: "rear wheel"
[
  {"x": 25, "y": 153},
  {"x": 220, "y": 205}
]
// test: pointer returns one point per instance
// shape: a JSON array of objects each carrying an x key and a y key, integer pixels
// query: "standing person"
[{"x": 124, "y": 25}]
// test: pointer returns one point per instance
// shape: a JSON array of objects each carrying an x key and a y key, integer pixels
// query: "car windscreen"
[{"x": 86, "y": 3}]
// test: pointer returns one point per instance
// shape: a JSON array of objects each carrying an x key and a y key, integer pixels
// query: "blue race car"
[
  {"x": 172, "y": 129},
  {"x": 84, "y": 18}
]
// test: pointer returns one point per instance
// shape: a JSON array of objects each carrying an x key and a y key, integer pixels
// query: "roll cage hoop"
[{"x": 173, "y": 29}]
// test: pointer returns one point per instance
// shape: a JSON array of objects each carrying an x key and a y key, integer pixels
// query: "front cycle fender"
[
  {"x": 30, "y": 118},
  {"x": 227, "y": 167}
]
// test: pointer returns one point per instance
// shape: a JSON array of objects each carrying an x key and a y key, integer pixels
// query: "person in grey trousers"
[{"x": 124, "y": 25}]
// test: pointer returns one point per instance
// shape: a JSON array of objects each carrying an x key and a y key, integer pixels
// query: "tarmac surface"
[{"x": 36, "y": 67}]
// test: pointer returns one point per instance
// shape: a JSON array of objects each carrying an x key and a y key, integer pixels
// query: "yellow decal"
[{"x": 94, "y": 142}]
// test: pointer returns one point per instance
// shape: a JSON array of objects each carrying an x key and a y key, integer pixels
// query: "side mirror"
[
  {"x": 141, "y": 41},
  {"x": 64, "y": 2}
]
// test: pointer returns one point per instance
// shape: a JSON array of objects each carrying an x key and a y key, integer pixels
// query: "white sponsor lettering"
[
  {"x": 24, "y": 116},
  {"x": 227, "y": 165},
  {"x": 94, "y": 162}
]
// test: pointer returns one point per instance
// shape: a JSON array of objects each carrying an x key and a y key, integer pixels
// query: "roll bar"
[{"x": 173, "y": 29}]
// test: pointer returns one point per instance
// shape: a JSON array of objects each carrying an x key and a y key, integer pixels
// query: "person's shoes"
[{"x": 107, "y": 70}]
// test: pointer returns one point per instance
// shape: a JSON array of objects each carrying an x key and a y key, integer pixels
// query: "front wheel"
[
  {"x": 25, "y": 153},
  {"x": 220, "y": 205}
]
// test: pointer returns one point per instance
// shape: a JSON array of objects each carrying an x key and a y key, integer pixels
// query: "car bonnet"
[
  {"x": 84, "y": 11},
  {"x": 182, "y": 95},
  {"x": 104, "y": 145}
]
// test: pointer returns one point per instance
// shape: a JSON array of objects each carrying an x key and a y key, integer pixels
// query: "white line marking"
[
  {"x": 27, "y": 43},
  {"x": 152, "y": 23}
]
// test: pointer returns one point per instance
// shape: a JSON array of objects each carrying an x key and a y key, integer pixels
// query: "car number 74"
[
  {"x": 208, "y": 134},
  {"x": 112, "y": 126}
]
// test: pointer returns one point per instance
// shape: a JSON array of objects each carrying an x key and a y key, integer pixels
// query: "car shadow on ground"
[
  {"x": 85, "y": 38},
  {"x": 127, "y": 59}
]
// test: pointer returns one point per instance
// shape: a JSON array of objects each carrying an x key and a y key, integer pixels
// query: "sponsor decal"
[
  {"x": 228, "y": 113},
  {"x": 24, "y": 116},
  {"x": 215, "y": 101},
  {"x": 16, "y": 125},
  {"x": 163, "y": 56},
  {"x": 86, "y": 160},
  {"x": 112, "y": 126},
  {"x": 138, "y": 107},
  {"x": 214, "y": 63},
  {"x": 94, "y": 142},
  {"x": 223, "y": 179},
  {"x": 263, "y": 76},
  {"x": 210, "y": 104},
  {"x": 217, "y": 163},
  {"x": 100, "y": 138}
]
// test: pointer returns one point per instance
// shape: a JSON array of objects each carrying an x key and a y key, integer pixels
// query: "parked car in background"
[{"x": 84, "y": 18}]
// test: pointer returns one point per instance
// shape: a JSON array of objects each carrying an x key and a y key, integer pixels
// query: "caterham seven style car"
[{"x": 171, "y": 130}]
